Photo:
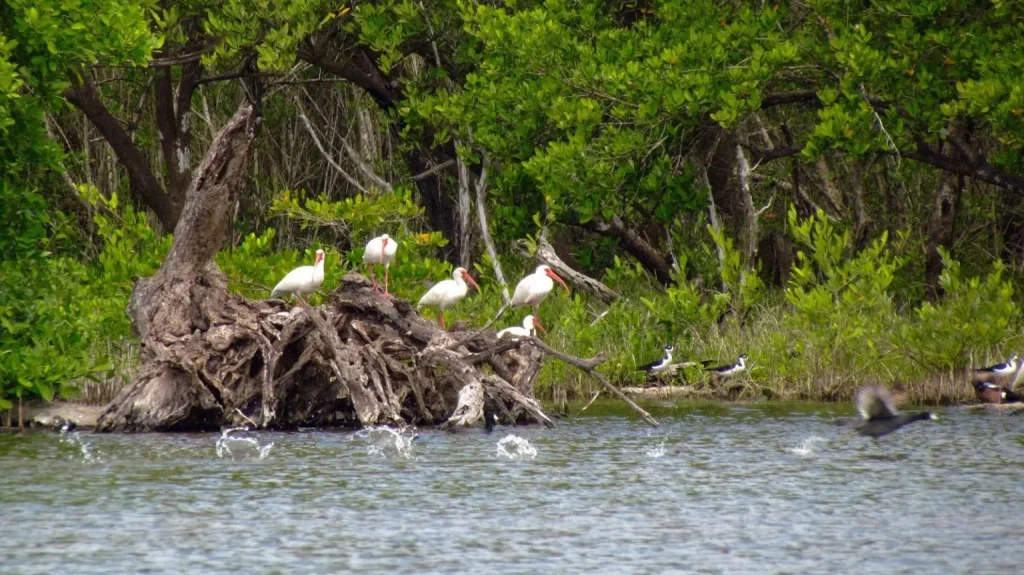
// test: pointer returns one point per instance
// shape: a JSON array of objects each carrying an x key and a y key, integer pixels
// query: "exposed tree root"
[{"x": 212, "y": 359}]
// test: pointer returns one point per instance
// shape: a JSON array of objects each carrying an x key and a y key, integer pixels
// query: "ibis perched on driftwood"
[
  {"x": 447, "y": 293},
  {"x": 302, "y": 280},
  {"x": 532, "y": 289},
  {"x": 529, "y": 328},
  {"x": 380, "y": 250}
]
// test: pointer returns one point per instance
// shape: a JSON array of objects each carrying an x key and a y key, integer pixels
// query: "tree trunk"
[
  {"x": 485, "y": 232},
  {"x": 634, "y": 243},
  {"x": 941, "y": 226},
  {"x": 144, "y": 184},
  {"x": 828, "y": 188},
  {"x": 358, "y": 67},
  {"x": 749, "y": 231},
  {"x": 173, "y": 120},
  {"x": 860, "y": 212},
  {"x": 211, "y": 359},
  {"x": 465, "y": 221}
]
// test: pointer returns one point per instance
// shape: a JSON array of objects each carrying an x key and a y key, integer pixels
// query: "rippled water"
[{"x": 716, "y": 489}]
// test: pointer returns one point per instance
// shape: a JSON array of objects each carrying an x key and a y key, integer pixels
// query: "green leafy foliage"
[{"x": 975, "y": 316}]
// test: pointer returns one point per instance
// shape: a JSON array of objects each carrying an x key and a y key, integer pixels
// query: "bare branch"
[
  {"x": 464, "y": 211},
  {"x": 366, "y": 168},
  {"x": 587, "y": 366},
  {"x": 323, "y": 152},
  {"x": 438, "y": 168},
  {"x": 546, "y": 254},
  {"x": 485, "y": 232}
]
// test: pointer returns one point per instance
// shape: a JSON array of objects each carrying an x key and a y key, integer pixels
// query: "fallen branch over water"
[{"x": 587, "y": 366}]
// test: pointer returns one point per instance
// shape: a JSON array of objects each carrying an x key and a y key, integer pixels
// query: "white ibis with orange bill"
[
  {"x": 532, "y": 289},
  {"x": 530, "y": 325},
  {"x": 380, "y": 250},
  {"x": 302, "y": 280},
  {"x": 447, "y": 293}
]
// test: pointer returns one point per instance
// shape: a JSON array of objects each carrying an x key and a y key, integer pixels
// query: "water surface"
[{"x": 716, "y": 489}]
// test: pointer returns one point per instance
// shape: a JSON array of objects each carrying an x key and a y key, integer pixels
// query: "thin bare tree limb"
[
  {"x": 438, "y": 168},
  {"x": 546, "y": 254},
  {"x": 312, "y": 132},
  {"x": 485, "y": 232},
  {"x": 366, "y": 168},
  {"x": 464, "y": 212},
  {"x": 587, "y": 366}
]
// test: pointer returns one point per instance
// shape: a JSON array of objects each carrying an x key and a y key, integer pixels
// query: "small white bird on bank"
[
  {"x": 302, "y": 280},
  {"x": 732, "y": 368},
  {"x": 447, "y": 293},
  {"x": 380, "y": 250},
  {"x": 532, "y": 289},
  {"x": 529, "y": 328},
  {"x": 662, "y": 365}
]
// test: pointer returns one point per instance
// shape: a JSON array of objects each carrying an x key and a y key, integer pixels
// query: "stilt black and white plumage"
[
  {"x": 1006, "y": 369},
  {"x": 878, "y": 413},
  {"x": 662, "y": 365},
  {"x": 732, "y": 368}
]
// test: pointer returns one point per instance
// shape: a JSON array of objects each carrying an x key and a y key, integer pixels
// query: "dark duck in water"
[{"x": 878, "y": 413}]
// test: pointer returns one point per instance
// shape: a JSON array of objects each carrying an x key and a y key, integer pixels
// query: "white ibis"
[
  {"x": 529, "y": 328},
  {"x": 732, "y": 368},
  {"x": 660, "y": 366},
  {"x": 532, "y": 289},
  {"x": 302, "y": 280},
  {"x": 447, "y": 293},
  {"x": 380, "y": 250}
]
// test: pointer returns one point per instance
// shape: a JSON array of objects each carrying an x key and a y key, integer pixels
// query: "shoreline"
[{"x": 55, "y": 415}]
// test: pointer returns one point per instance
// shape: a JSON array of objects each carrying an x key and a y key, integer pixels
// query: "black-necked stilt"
[
  {"x": 732, "y": 368},
  {"x": 878, "y": 413},
  {"x": 662, "y": 365},
  {"x": 1004, "y": 369},
  {"x": 991, "y": 393}
]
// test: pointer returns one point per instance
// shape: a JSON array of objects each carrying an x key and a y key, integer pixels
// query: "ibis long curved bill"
[
  {"x": 380, "y": 250},
  {"x": 447, "y": 293},
  {"x": 534, "y": 288},
  {"x": 302, "y": 280}
]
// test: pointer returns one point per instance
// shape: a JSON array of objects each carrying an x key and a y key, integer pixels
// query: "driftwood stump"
[{"x": 212, "y": 359}]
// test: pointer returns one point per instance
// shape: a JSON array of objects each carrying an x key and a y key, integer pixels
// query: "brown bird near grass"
[{"x": 987, "y": 392}]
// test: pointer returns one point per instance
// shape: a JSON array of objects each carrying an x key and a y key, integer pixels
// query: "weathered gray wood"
[
  {"x": 211, "y": 359},
  {"x": 546, "y": 255}
]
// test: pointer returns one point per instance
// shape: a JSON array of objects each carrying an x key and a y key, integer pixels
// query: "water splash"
[
  {"x": 656, "y": 451},
  {"x": 74, "y": 440},
  {"x": 388, "y": 442},
  {"x": 234, "y": 445},
  {"x": 806, "y": 447},
  {"x": 515, "y": 447}
]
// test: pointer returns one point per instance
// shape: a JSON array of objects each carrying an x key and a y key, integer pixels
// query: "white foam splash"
[
  {"x": 236, "y": 447},
  {"x": 807, "y": 446},
  {"x": 388, "y": 442},
  {"x": 515, "y": 447},
  {"x": 656, "y": 451},
  {"x": 74, "y": 440}
]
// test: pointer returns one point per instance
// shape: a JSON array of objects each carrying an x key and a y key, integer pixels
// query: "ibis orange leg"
[
  {"x": 387, "y": 272},
  {"x": 440, "y": 317},
  {"x": 373, "y": 278}
]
